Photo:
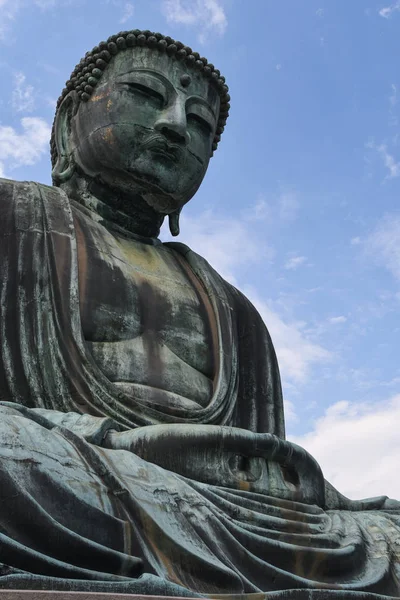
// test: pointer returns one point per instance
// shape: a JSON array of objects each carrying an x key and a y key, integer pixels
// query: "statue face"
[{"x": 148, "y": 127}]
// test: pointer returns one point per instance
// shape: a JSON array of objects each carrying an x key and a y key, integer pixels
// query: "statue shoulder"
[
  {"x": 26, "y": 192},
  {"x": 10, "y": 190},
  {"x": 7, "y": 187},
  {"x": 10, "y": 187},
  {"x": 23, "y": 205}
]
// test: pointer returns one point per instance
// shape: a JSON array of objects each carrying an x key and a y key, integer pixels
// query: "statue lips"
[{"x": 158, "y": 144}]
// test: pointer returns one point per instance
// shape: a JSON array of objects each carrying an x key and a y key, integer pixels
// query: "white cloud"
[
  {"x": 284, "y": 207},
  {"x": 24, "y": 148},
  {"x": 290, "y": 412},
  {"x": 295, "y": 262},
  {"x": 393, "y": 96},
  {"x": 260, "y": 211},
  {"x": 384, "y": 243},
  {"x": 355, "y": 241},
  {"x": 23, "y": 99},
  {"x": 388, "y": 159},
  {"x": 296, "y": 354},
  {"x": 387, "y": 12},
  {"x": 338, "y": 320},
  {"x": 320, "y": 13},
  {"x": 2, "y": 172},
  {"x": 227, "y": 243},
  {"x": 207, "y": 15},
  {"x": 51, "y": 102},
  {"x": 288, "y": 206},
  {"x": 45, "y": 4},
  {"x": 389, "y": 162},
  {"x": 49, "y": 68},
  {"x": 129, "y": 9},
  {"x": 358, "y": 447},
  {"x": 8, "y": 12}
]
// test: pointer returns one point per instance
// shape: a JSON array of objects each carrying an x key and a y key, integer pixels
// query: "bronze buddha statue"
[{"x": 142, "y": 441}]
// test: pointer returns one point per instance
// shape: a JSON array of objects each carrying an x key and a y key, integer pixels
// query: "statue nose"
[{"x": 173, "y": 124}]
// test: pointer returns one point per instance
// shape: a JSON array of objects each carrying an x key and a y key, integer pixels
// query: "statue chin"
[
  {"x": 164, "y": 204},
  {"x": 162, "y": 198}
]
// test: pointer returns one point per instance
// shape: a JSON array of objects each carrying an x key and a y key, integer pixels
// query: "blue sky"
[{"x": 300, "y": 206}]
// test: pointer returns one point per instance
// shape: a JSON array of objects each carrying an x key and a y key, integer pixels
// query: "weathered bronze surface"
[{"x": 142, "y": 439}]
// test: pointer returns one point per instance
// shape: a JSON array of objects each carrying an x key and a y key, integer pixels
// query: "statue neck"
[{"x": 129, "y": 213}]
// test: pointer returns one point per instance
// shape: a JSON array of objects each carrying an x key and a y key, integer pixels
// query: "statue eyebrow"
[
  {"x": 151, "y": 73},
  {"x": 200, "y": 100}
]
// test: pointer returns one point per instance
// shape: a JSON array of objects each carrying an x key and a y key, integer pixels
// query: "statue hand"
[
  {"x": 118, "y": 440},
  {"x": 228, "y": 457},
  {"x": 391, "y": 504}
]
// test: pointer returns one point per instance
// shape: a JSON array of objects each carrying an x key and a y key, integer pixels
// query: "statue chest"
[{"x": 144, "y": 319}]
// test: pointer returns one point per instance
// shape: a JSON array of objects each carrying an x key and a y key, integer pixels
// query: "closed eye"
[
  {"x": 200, "y": 121},
  {"x": 147, "y": 91}
]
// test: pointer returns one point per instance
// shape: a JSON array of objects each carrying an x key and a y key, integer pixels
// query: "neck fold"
[{"x": 127, "y": 213}]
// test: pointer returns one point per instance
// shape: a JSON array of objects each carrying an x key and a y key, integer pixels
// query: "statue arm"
[
  {"x": 93, "y": 429},
  {"x": 229, "y": 457}
]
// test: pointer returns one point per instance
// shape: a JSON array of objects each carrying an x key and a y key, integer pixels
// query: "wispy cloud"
[
  {"x": 260, "y": 211},
  {"x": 8, "y": 11},
  {"x": 51, "y": 69},
  {"x": 393, "y": 100},
  {"x": 227, "y": 243},
  {"x": 284, "y": 208},
  {"x": 296, "y": 353},
  {"x": 350, "y": 436},
  {"x": 384, "y": 243},
  {"x": 393, "y": 95},
  {"x": 51, "y": 102},
  {"x": 26, "y": 148},
  {"x": 338, "y": 320},
  {"x": 389, "y": 10},
  {"x": 45, "y": 4},
  {"x": 129, "y": 10},
  {"x": 208, "y": 15},
  {"x": 355, "y": 241},
  {"x": 288, "y": 206},
  {"x": 23, "y": 94},
  {"x": 295, "y": 262},
  {"x": 290, "y": 412},
  {"x": 388, "y": 159}
]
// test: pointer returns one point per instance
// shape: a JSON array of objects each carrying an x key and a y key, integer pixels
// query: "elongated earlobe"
[
  {"x": 65, "y": 164},
  {"x": 174, "y": 222}
]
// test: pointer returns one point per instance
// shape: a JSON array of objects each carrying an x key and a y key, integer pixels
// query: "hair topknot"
[{"x": 89, "y": 70}]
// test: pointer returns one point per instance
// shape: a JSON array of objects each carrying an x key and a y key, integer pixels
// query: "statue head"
[{"x": 141, "y": 114}]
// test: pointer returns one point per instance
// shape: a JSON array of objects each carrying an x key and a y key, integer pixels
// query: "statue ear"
[
  {"x": 174, "y": 222},
  {"x": 65, "y": 165}
]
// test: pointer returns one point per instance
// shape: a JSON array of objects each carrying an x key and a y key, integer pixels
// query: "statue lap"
[{"x": 110, "y": 508}]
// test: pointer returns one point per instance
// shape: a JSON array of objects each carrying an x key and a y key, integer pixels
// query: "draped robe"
[{"x": 79, "y": 514}]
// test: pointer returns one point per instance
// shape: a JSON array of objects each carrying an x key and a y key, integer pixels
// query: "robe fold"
[{"x": 77, "y": 514}]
